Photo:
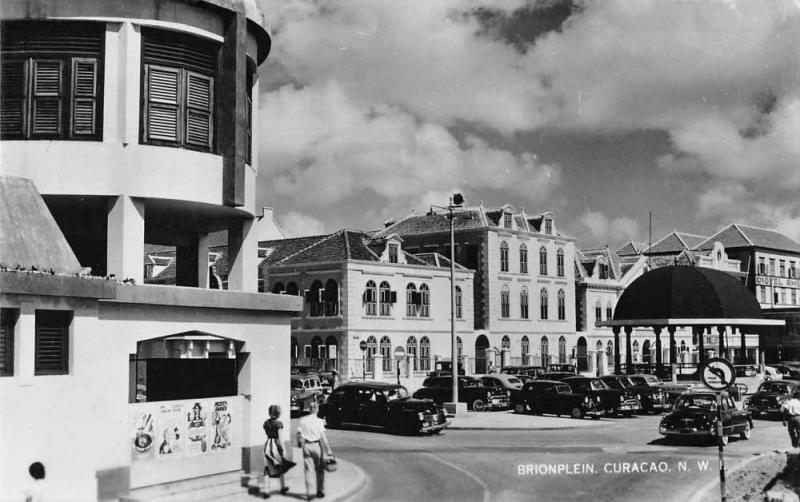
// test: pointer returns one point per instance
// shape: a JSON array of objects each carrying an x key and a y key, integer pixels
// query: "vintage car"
[
  {"x": 305, "y": 389},
  {"x": 654, "y": 397},
  {"x": 563, "y": 368},
  {"x": 444, "y": 368},
  {"x": 551, "y": 396},
  {"x": 610, "y": 401},
  {"x": 695, "y": 415},
  {"x": 524, "y": 373},
  {"x": 632, "y": 400},
  {"x": 470, "y": 390},
  {"x": 554, "y": 375},
  {"x": 503, "y": 382},
  {"x": 326, "y": 377},
  {"x": 790, "y": 372},
  {"x": 381, "y": 404},
  {"x": 770, "y": 396}
]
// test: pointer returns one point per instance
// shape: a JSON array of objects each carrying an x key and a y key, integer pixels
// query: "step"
[{"x": 205, "y": 487}]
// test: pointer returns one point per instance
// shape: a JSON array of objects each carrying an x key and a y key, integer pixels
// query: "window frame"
[
  {"x": 523, "y": 259},
  {"x": 504, "y": 256},
  {"x": 425, "y": 300},
  {"x": 62, "y": 321},
  {"x": 523, "y": 303},
  {"x": 562, "y": 305},
  {"x": 560, "y": 262},
  {"x": 543, "y": 304},
  {"x": 542, "y": 260},
  {"x": 371, "y": 298},
  {"x": 8, "y": 323},
  {"x": 459, "y": 297},
  {"x": 505, "y": 302}
]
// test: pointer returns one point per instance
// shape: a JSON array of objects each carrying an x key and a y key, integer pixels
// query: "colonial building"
[
  {"x": 358, "y": 288},
  {"x": 524, "y": 283},
  {"x": 126, "y": 125}
]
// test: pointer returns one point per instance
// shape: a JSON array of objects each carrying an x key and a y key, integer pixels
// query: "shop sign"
[{"x": 780, "y": 282}]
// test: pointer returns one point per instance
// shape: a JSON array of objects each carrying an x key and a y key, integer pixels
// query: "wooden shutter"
[
  {"x": 84, "y": 96},
  {"x": 52, "y": 342},
  {"x": 48, "y": 76},
  {"x": 7, "y": 320},
  {"x": 199, "y": 108},
  {"x": 163, "y": 103},
  {"x": 13, "y": 91}
]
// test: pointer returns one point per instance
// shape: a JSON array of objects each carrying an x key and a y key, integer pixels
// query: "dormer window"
[
  {"x": 507, "y": 220},
  {"x": 393, "y": 252},
  {"x": 548, "y": 226},
  {"x": 602, "y": 270}
]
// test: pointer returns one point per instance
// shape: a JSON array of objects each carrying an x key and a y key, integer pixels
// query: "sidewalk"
[
  {"x": 508, "y": 420},
  {"x": 340, "y": 485}
]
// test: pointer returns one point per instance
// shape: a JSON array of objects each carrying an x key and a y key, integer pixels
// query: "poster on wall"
[
  {"x": 196, "y": 428},
  {"x": 170, "y": 426},
  {"x": 222, "y": 420},
  {"x": 143, "y": 435}
]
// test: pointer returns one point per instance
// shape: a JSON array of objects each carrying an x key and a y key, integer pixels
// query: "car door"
[{"x": 735, "y": 418}]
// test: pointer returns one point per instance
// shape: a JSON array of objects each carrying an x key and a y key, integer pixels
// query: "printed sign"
[
  {"x": 717, "y": 373},
  {"x": 196, "y": 428},
  {"x": 222, "y": 420},
  {"x": 143, "y": 437},
  {"x": 171, "y": 435}
]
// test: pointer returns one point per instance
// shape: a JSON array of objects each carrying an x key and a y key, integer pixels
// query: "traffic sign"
[
  {"x": 362, "y": 345},
  {"x": 717, "y": 373},
  {"x": 399, "y": 353}
]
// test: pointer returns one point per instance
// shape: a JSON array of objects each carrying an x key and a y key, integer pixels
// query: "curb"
[
  {"x": 704, "y": 491},
  {"x": 356, "y": 486}
]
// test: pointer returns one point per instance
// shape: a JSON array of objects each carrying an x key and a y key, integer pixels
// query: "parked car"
[
  {"x": 563, "y": 368},
  {"x": 470, "y": 390},
  {"x": 328, "y": 378},
  {"x": 610, "y": 401},
  {"x": 551, "y": 396},
  {"x": 770, "y": 396},
  {"x": 502, "y": 381},
  {"x": 523, "y": 372},
  {"x": 554, "y": 375},
  {"x": 633, "y": 400},
  {"x": 380, "y": 404},
  {"x": 651, "y": 389},
  {"x": 695, "y": 414},
  {"x": 305, "y": 389},
  {"x": 444, "y": 368},
  {"x": 788, "y": 371}
]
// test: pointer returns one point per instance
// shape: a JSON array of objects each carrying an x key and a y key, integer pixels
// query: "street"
[{"x": 587, "y": 463}]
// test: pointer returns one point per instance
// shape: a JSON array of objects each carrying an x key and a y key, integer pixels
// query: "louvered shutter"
[
  {"x": 47, "y": 88},
  {"x": 6, "y": 344},
  {"x": 163, "y": 98},
  {"x": 84, "y": 96},
  {"x": 52, "y": 343},
  {"x": 13, "y": 90},
  {"x": 199, "y": 107}
]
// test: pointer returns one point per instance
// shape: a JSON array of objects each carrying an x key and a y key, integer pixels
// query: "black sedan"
[
  {"x": 555, "y": 375},
  {"x": 550, "y": 396},
  {"x": 770, "y": 396},
  {"x": 626, "y": 386},
  {"x": 611, "y": 401},
  {"x": 695, "y": 415},
  {"x": 470, "y": 390},
  {"x": 655, "y": 397},
  {"x": 380, "y": 404}
]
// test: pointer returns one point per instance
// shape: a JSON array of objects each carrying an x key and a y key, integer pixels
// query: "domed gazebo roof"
[{"x": 686, "y": 295}]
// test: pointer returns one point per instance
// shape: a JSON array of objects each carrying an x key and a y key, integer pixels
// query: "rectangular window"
[
  {"x": 523, "y": 309},
  {"x": 307, "y": 351},
  {"x": 772, "y": 266},
  {"x": 52, "y": 342},
  {"x": 763, "y": 294},
  {"x": 51, "y": 81},
  {"x": 783, "y": 268},
  {"x": 548, "y": 226},
  {"x": 794, "y": 297},
  {"x": 762, "y": 266},
  {"x": 507, "y": 220},
  {"x": 393, "y": 251},
  {"x": 8, "y": 319}
]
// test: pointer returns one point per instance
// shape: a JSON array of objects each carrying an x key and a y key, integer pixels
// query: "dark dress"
[{"x": 275, "y": 464}]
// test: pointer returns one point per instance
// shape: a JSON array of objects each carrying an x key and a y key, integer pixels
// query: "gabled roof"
[
  {"x": 738, "y": 236},
  {"x": 675, "y": 242},
  {"x": 587, "y": 259},
  {"x": 30, "y": 238},
  {"x": 632, "y": 248}
]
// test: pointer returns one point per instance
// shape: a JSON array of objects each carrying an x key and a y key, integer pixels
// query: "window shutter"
[
  {"x": 163, "y": 89},
  {"x": 47, "y": 84},
  {"x": 52, "y": 343},
  {"x": 393, "y": 297},
  {"x": 199, "y": 107},
  {"x": 84, "y": 96},
  {"x": 12, "y": 89},
  {"x": 307, "y": 295}
]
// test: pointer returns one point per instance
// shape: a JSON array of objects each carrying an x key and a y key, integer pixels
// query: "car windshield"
[
  {"x": 514, "y": 381},
  {"x": 398, "y": 393},
  {"x": 696, "y": 403},
  {"x": 297, "y": 384},
  {"x": 778, "y": 387},
  {"x": 469, "y": 382},
  {"x": 597, "y": 385}
]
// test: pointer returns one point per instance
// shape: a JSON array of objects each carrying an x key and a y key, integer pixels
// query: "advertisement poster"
[
  {"x": 170, "y": 426},
  {"x": 143, "y": 435},
  {"x": 222, "y": 425},
  {"x": 197, "y": 428}
]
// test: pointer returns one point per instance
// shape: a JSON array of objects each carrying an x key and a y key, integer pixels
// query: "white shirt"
[
  {"x": 311, "y": 427},
  {"x": 791, "y": 407}
]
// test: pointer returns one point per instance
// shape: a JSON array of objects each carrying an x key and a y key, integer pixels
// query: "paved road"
[{"x": 483, "y": 465}]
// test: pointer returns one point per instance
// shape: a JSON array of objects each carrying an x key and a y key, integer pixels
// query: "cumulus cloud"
[
  {"x": 609, "y": 231},
  {"x": 295, "y": 224}
]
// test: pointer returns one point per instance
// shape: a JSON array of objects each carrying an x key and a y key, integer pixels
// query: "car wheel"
[
  {"x": 576, "y": 412},
  {"x": 746, "y": 433},
  {"x": 478, "y": 405},
  {"x": 519, "y": 408}
]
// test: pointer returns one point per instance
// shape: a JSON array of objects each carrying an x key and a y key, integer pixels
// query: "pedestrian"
[
  {"x": 312, "y": 440},
  {"x": 790, "y": 410},
  {"x": 275, "y": 462},
  {"x": 37, "y": 472}
]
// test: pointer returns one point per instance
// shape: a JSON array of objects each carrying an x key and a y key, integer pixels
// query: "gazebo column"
[
  {"x": 615, "y": 330},
  {"x": 700, "y": 331},
  {"x": 657, "y": 331},
  {"x": 721, "y": 333},
  {"x": 742, "y": 347},
  {"x": 628, "y": 353},
  {"x": 673, "y": 352}
]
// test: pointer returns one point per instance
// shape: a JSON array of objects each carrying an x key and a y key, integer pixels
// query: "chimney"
[
  {"x": 388, "y": 223},
  {"x": 266, "y": 213}
]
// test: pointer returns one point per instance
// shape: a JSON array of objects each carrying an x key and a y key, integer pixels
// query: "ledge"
[
  {"x": 177, "y": 296},
  {"x": 31, "y": 283}
]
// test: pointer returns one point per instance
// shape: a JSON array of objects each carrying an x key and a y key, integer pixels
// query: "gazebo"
[{"x": 682, "y": 296}]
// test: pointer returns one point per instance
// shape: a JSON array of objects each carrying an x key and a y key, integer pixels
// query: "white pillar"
[
  {"x": 603, "y": 363},
  {"x": 202, "y": 261},
  {"x": 242, "y": 257},
  {"x": 125, "y": 239},
  {"x": 25, "y": 340},
  {"x": 591, "y": 362},
  {"x": 377, "y": 366}
]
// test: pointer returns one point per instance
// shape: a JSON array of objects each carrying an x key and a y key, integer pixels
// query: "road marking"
[{"x": 486, "y": 494}]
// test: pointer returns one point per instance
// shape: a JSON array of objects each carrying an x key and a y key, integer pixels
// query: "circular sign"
[
  {"x": 399, "y": 353},
  {"x": 362, "y": 345},
  {"x": 717, "y": 373}
]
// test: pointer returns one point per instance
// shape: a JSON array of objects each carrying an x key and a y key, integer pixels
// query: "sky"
[{"x": 599, "y": 111}]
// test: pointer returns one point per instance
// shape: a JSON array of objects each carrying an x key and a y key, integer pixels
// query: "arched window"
[
  {"x": 523, "y": 303},
  {"x": 425, "y": 354},
  {"x": 372, "y": 349},
  {"x": 526, "y": 348},
  {"x": 315, "y": 299},
  {"x": 411, "y": 352},
  {"x": 610, "y": 351},
  {"x": 505, "y": 343},
  {"x": 545, "y": 347},
  {"x": 412, "y": 300},
  {"x": 562, "y": 305},
  {"x": 459, "y": 347},
  {"x": 635, "y": 347},
  {"x": 599, "y": 346},
  {"x": 371, "y": 298},
  {"x": 562, "y": 350},
  {"x": 278, "y": 288},
  {"x": 292, "y": 289},
  {"x": 385, "y": 295},
  {"x": 543, "y": 260},
  {"x": 523, "y": 259},
  {"x": 505, "y": 306},
  {"x": 386, "y": 352},
  {"x": 315, "y": 344},
  {"x": 333, "y": 354},
  {"x": 425, "y": 301},
  {"x": 598, "y": 311},
  {"x": 459, "y": 303},
  {"x": 331, "y": 298},
  {"x": 543, "y": 304},
  {"x": 560, "y": 263},
  {"x": 683, "y": 346},
  {"x": 504, "y": 256},
  {"x": 609, "y": 311}
]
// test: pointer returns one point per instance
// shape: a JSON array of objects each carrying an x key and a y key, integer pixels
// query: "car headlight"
[
  {"x": 508, "y": 393},
  {"x": 639, "y": 397},
  {"x": 597, "y": 398},
  {"x": 294, "y": 399},
  {"x": 621, "y": 399},
  {"x": 585, "y": 399},
  {"x": 421, "y": 416}
]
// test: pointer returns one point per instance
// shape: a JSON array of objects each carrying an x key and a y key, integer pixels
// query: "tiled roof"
[
  {"x": 631, "y": 248},
  {"x": 588, "y": 259},
  {"x": 675, "y": 242},
  {"x": 436, "y": 260},
  {"x": 736, "y": 236}
]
